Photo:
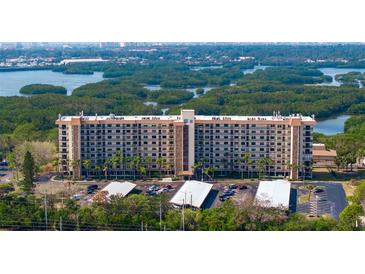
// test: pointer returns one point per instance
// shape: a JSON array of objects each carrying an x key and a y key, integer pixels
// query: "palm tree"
[
  {"x": 208, "y": 171},
  {"x": 244, "y": 159},
  {"x": 161, "y": 162},
  {"x": 169, "y": 167},
  {"x": 262, "y": 166},
  {"x": 148, "y": 161},
  {"x": 249, "y": 164},
  {"x": 136, "y": 162},
  {"x": 269, "y": 163},
  {"x": 122, "y": 163},
  {"x": 197, "y": 166},
  {"x": 289, "y": 166},
  {"x": 142, "y": 171},
  {"x": 98, "y": 170},
  {"x": 115, "y": 160},
  {"x": 310, "y": 188},
  {"x": 308, "y": 166},
  {"x": 106, "y": 166},
  {"x": 225, "y": 159},
  {"x": 128, "y": 164},
  {"x": 86, "y": 164},
  {"x": 75, "y": 164}
]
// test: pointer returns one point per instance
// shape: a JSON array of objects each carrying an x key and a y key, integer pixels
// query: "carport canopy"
[
  {"x": 273, "y": 194},
  {"x": 192, "y": 193},
  {"x": 119, "y": 188}
]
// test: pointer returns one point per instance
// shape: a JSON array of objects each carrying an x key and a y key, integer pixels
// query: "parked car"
[
  {"x": 162, "y": 190},
  {"x": 223, "y": 198},
  {"x": 318, "y": 190},
  {"x": 76, "y": 197},
  {"x": 243, "y": 187},
  {"x": 232, "y": 186},
  {"x": 229, "y": 192},
  {"x": 153, "y": 188},
  {"x": 91, "y": 189},
  {"x": 151, "y": 193}
]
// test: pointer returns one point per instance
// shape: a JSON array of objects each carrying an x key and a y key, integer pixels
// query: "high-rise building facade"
[{"x": 277, "y": 145}]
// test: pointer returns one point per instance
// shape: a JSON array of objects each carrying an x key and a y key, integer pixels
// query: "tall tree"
[
  {"x": 28, "y": 170},
  {"x": 244, "y": 160},
  {"x": 86, "y": 163},
  {"x": 115, "y": 161}
]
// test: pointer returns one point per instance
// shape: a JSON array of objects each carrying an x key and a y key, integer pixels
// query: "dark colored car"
[
  {"x": 232, "y": 186},
  {"x": 91, "y": 189},
  {"x": 242, "y": 187},
  {"x": 229, "y": 192},
  {"x": 318, "y": 190}
]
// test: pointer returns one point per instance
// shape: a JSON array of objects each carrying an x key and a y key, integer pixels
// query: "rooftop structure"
[
  {"x": 323, "y": 157},
  {"x": 192, "y": 193},
  {"x": 273, "y": 194},
  {"x": 253, "y": 119},
  {"x": 119, "y": 188}
]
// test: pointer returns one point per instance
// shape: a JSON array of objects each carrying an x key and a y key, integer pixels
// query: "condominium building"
[{"x": 277, "y": 145}]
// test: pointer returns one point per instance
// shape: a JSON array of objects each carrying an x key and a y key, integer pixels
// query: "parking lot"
[
  {"x": 325, "y": 199},
  {"x": 237, "y": 192}
]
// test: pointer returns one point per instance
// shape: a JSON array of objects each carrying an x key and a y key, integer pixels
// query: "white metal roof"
[
  {"x": 192, "y": 193},
  {"x": 119, "y": 188},
  {"x": 273, "y": 193}
]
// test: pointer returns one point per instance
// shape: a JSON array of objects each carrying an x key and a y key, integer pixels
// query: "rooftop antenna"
[{"x": 59, "y": 116}]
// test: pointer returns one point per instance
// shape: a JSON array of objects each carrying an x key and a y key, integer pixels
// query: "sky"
[{"x": 182, "y": 21}]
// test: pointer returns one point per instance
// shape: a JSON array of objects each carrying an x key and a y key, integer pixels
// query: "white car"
[{"x": 76, "y": 197}]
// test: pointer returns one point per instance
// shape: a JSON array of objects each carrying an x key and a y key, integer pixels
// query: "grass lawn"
[
  {"x": 326, "y": 175},
  {"x": 303, "y": 199},
  {"x": 235, "y": 181},
  {"x": 349, "y": 188}
]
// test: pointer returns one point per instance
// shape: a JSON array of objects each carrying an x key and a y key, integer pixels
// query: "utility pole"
[
  {"x": 61, "y": 216},
  {"x": 77, "y": 221},
  {"x": 45, "y": 209},
  {"x": 160, "y": 215},
  {"x": 183, "y": 215}
]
